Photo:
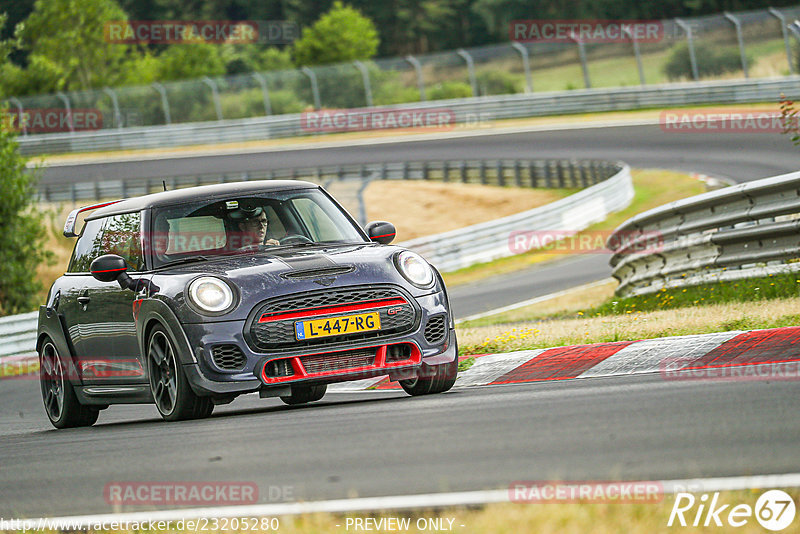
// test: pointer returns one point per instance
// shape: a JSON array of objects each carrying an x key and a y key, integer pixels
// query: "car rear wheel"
[
  {"x": 442, "y": 379},
  {"x": 60, "y": 402},
  {"x": 305, "y": 394},
  {"x": 172, "y": 394}
]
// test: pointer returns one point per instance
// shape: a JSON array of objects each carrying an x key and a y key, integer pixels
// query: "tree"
[
  {"x": 342, "y": 34},
  {"x": 70, "y": 35},
  {"x": 22, "y": 239},
  {"x": 186, "y": 61}
]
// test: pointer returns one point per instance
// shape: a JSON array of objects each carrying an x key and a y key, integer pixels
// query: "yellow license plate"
[{"x": 336, "y": 326}]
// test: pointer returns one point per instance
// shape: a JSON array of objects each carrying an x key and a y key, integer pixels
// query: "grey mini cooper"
[{"x": 189, "y": 298}]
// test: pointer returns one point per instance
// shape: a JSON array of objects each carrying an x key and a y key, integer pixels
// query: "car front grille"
[
  {"x": 228, "y": 357},
  {"x": 338, "y": 361},
  {"x": 278, "y": 333},
  {"x": 436, "y": 329}
]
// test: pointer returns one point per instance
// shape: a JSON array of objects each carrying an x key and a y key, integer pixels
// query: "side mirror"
[
  {"x": 110, "y": 268},
  {"x": 381, "y": 232}
]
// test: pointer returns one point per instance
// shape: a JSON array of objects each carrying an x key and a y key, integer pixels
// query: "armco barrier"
[
  {"x": 742, "y": 231},
  {"x": 490, "y": 240},
  {"x": 466, "y": 110},
  {"x": 18, "y": 335}
]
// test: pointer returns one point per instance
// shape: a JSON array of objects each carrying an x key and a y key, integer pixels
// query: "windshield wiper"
[{"x": 190, "y": 259}]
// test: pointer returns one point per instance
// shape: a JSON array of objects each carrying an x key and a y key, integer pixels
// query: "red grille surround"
[{"x": 346, "y": 362}]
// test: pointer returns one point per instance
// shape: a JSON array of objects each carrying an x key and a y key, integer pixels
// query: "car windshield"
[{"x": 245, "y": 224}]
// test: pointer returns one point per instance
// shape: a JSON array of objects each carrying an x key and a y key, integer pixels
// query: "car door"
[{"x": 107, "y": 346}]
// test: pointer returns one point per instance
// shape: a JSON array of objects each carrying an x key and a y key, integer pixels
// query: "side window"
[
  {"x": 118, "y": 234},
  {"x": 88, "y": 247},
  {"x": 121, "y": 237}
]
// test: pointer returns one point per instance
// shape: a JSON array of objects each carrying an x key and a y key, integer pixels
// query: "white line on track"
[
  {"x": 535, "y": 300},
  {"x": 403, "y": 502}
]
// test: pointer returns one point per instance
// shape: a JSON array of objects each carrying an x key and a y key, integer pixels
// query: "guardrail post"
[
  {"x": 214, "y": 95},
  {"x": 425, "y": 170},
  {"x": 738, "y": 25},
  {"x": 517, "y": 177},
  {"x": 445, "y": 171},
  {"x": 21, "y": 110},
  {"x": 637, "y": 54},
  {"x": 782, "y": 21},
  {"x": 690, "y": 40},
  {"x": 405, "y": 170},
  {"x": 264, "y": 92},
  {"x": 117, "y": 115},
  {"x": 548, "y": 176},
  {"x": 463, "y": 168},
  {"x": 560, "y": 170},
  {"x": 483, "y": 172},
  {"x": 365, "y": 79},
  {"x": 420, "y": 81},
  {"x": 314, "y": 87},
  {"x": 501, "y": 178},
  {"x": 164, "y": 102},
  {"x": 584, "y": 63},
  {"x": 526, "y": 65},
  {"x": 65, "y": 100},
  {"x": 470, "y": 69},
  {"x": 584, "y": 178}
]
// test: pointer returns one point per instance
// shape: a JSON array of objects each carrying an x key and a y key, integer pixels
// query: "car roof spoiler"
[{"x": 72, "y": 218}]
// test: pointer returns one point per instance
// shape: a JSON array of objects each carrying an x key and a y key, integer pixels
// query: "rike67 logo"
[{"x": 774, "y": 510}]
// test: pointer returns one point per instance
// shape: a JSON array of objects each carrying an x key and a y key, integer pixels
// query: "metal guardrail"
[
  {"x": 742, "y": 231},
  {"x": 521, "y": 173},
  {"x": 18, "y": 335},
  {"x": 464, "y": 111},
  {"x": 489, "y": 241}
]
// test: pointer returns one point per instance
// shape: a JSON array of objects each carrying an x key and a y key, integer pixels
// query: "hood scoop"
[{"x": 324, "y": 272}]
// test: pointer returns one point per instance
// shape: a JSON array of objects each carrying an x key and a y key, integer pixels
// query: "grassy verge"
[
  {"x": 595, "y": 316},
  {"x": 653, "y": 188},
  {"x": 754, "y": 289}
]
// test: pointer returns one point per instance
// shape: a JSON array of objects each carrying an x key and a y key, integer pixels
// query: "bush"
[
  {"x": 448, "y": 90},
  {"x": 710, "y": 61},
  {"x": 22, "y": 239},
  {"x": 497, "y": 82}
]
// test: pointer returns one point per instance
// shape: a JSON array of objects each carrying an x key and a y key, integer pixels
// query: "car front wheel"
[
  {"x": 442, "y": 379},
  {"x": 172, "y": 394},
  {"x": 60, "y": 401}
]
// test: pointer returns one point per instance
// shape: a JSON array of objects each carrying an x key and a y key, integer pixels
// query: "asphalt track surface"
[
  {"x": 386, "y": 443},
  {"x": 741, "y": 157}
]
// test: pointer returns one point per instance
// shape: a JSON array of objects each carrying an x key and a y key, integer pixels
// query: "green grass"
[{"x": 754, "y": 289}]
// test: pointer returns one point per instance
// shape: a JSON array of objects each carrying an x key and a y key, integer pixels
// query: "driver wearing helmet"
[{"x": 252, "y": 224}]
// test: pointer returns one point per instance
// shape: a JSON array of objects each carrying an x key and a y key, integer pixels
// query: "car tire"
[
  {"x": 305, "y": 394},
  {"x": 442, "y": 379},
  {"x": 172, "y": 394},
  {"x": 60, "y": 402}
]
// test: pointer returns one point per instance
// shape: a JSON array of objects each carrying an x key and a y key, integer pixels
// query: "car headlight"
[
  {"x": 414, "y": 268},
  {"x": 211, "y": 294}
]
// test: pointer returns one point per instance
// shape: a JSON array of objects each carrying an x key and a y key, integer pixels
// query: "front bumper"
[{"x": 206, "y": 378}]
